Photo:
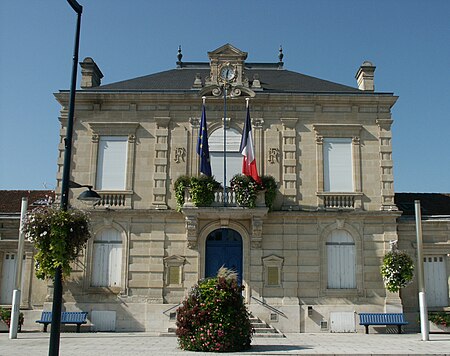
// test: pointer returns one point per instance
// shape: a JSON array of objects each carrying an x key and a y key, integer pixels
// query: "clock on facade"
[{"x": 227, "y": 72}]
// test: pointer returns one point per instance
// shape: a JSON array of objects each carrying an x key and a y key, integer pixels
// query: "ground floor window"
[
  {"x": 341, "y": 260},
  {"x": 107, "y": 259}
]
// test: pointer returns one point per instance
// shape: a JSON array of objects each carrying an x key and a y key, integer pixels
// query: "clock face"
[{"x": 227, "y": 72}]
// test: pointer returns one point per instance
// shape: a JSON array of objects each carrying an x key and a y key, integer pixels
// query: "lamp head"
[{"x": 90, "y": 196}]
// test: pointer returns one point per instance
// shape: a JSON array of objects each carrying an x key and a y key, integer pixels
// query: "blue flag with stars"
[{"x": 203, "y": 147}]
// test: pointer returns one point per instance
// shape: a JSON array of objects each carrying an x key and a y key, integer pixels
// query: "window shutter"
[
  {"x": 338, "y": 165},
  {"x": 112, "y": 163},
  {"x": 341, "y": 260},
  {"x": 107, "y": 259}
]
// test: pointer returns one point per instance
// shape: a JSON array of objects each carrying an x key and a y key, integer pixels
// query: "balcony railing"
[
  {"x": 227, "y": 198},
  {"x": 339, "y": 201},
  {"x": 115, "y": 199}
]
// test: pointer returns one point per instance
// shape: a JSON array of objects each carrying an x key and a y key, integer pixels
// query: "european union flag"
[{"x": 203, "y": 147}]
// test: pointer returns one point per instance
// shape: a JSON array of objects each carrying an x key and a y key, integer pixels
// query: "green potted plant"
[
  {"x": 397, "y": 270},
  {"x": 201, "y": 189},
  {"x": 214, "y": 318},
  {"x": 58, "y": 237},
  {"x": 270, "y": 187}
]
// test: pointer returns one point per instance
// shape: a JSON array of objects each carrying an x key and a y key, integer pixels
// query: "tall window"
[
  {"x": 112, "y": 163},
  {"x": 341, "y": 260},
  {"x": 233, "y": 156},
  {"x": 107, "y": 259},
  {"x": 338, "y": 165}
]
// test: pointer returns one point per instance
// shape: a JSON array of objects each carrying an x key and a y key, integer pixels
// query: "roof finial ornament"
[
  {"x": 280, "y": 58},
  {"x": 179, "y": 56}
]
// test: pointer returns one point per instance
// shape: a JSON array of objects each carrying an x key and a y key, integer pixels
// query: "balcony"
[
  {"x": 339, "y": 201},
  {"x": 115, "y": 199}
]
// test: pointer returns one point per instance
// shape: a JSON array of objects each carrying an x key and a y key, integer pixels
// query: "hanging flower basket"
[
  {"x": 397, "y": 270},
  {"x": 58, "y": 237}
]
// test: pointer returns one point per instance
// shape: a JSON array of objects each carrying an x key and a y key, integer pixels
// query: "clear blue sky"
[{"x": 408, "y": 41}]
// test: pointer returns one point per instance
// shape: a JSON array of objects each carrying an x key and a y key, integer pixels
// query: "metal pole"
[
  {"x": 225, "y": 198},
  {"x": 422, "y": 296},
  {"x": 18, "y": 283},
  {"x": 57, "y": 283}
]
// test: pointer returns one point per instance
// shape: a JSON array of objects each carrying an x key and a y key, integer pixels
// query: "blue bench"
[
  {"x": 367, "y": 319},
  {"x": 77, "y": 318}
]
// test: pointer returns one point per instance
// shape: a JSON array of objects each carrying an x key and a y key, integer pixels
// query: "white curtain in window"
[
  {"x": 341, "y": 260},
  {"x": 107, "y": 259},
  {"x": 233, "y": 156},
  {"x": 337, "y": 165},
  {"x": 112, "y": 163}
]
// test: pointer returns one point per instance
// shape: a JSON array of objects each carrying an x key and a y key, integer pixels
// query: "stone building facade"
[{"x": 310, "y": 264}]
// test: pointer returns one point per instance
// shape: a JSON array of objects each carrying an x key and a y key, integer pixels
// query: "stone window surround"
[
  {"x": 324, "y": 235},
  {"x": 127, "y": 129},
  {"x": 352, "y": 131},
  {"x": 276, "y": 262},
  {"x": 174, "y": 261},
  {"x": 122, "y": 290}
]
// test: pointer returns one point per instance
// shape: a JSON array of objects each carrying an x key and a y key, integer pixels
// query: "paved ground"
[{"x": 112, "y": 344}]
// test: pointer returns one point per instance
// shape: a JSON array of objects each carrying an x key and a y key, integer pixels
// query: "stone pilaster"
[
  {"x": 387, "y": 165},
  {"x": 289, "y": 162},
  {"x": 161, "y": 162}
]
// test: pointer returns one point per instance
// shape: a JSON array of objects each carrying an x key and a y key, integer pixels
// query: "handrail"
[
  {"x": 165, "y": 311},
  {"x": 264, "y": 304}
]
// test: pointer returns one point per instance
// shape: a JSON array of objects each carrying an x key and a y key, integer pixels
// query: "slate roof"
[
  {"x": 11, "y": 200},
  {"x": 272, "y": 80},
  {"x": 430, "y": 203}
]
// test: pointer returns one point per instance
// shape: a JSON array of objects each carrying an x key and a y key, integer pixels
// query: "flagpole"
[{"x": 225, "y": 198}]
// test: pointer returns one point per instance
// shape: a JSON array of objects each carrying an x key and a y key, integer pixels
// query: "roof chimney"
[
  {"x": 365, "y": 76},
  {"x": 90, "y": 74}
]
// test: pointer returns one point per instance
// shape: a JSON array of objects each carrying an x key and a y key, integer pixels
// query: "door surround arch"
[{"x": 242, "y": 230}]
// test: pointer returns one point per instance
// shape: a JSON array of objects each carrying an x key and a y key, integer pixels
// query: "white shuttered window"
[
  {"x": 107, "y": 259},
  {"x": 338, "y": 165},
  {"x": 341, "y": 260},
  {"x": 436, "y": 282},
  {"x": 112, "y": 163}
]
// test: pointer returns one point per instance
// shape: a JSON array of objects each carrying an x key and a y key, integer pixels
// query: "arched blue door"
[{"x": 223, "y": 248}]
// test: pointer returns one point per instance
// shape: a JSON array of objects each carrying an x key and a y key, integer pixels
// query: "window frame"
[
  {"x": 100, "y": 129},
  {"x": 330, "y": 131},
  {"x": 273, "y": 261}
]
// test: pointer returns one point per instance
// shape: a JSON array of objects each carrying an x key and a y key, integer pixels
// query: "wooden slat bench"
[
  {"x": 77, "y": 318},
  {"x": 367, "y": 319}
]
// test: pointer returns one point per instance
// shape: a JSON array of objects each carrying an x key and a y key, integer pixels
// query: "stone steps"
[{"x": 261, "y": 328}]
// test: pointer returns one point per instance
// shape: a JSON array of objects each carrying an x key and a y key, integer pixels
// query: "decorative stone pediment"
[
  {"x": 228, "y": 52},
  {"x": 222, "y": 58}
]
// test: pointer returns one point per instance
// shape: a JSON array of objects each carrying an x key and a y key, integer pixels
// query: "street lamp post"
[{"x": 57, "y": 283}]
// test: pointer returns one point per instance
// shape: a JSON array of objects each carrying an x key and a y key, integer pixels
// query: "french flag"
[{"x": 247, "y": 150}]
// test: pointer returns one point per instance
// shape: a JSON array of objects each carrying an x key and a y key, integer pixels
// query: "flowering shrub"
[
  {"x": 58, "y": 237},
  {"x": 5, "y": 315},
  {"x": 213, "y": 318},
  {"x": 397, "y": 270},
  {"x": 439, "y": 318},
  {"x": 245, "y": 188}
]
